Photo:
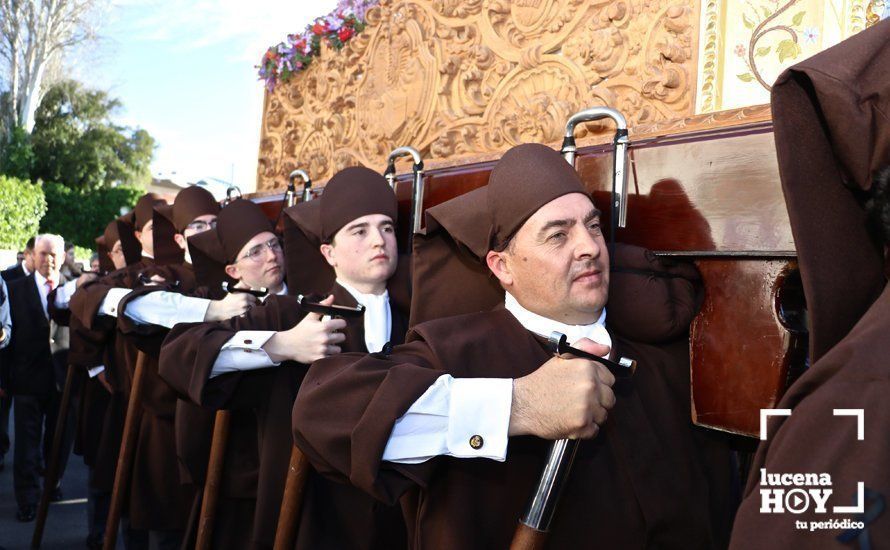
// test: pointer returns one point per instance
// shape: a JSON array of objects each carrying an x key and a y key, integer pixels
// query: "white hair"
[{"x": 56, "y": 241}]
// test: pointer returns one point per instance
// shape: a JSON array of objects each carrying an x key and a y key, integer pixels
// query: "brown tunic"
[
  {"x": 642, "y": 482},
  {"x": 95, "y": 341},
  {"x": 852, "y": 375},
  {"x": 333, "y": 516},
  {"x": 161, "y": 494}
]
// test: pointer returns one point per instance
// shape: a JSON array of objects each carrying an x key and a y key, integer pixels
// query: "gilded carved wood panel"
[{"x": 463, "y": 78}]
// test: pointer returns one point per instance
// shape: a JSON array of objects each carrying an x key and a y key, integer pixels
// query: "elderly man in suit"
[{"x": 34, "y": 366}]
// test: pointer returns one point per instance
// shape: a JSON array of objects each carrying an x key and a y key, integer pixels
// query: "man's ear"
[
  {"x": 180, "y": 240},
  {"x": 499, "y": 265},
  {"x": 327, "y": 251},
  {"x": 233, "y": 272}
]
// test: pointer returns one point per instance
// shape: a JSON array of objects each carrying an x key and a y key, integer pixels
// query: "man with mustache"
[
  {"x": 259, "y": 359},
  {"x": 465, "y": 410}
]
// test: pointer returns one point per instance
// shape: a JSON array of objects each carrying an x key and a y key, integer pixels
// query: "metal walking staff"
[{"x": 531, "y": 533}]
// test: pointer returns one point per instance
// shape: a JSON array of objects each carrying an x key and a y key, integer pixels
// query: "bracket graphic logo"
[{"x": 797, "y": 493}]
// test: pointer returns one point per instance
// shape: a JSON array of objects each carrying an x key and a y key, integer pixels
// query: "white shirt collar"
[
  {"x": 147, "y": 255},
  {"x": 377, "y": 317},
  {"x": 365, "y": 299},
  {"x": 25, "y": 269},
  {"x": 543, "y": 326},
  {"x": 41, "y": 280},
  {"x": 283, "y": 290}
]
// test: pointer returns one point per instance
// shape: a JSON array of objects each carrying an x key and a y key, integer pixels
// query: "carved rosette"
[{"x": 460, "y": 78}]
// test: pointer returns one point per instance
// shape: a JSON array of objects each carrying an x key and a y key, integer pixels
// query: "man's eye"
[
  {"x": 556, "y": 236},
  {"x": 594, "y": 227},
  {"x": 389, "y": 229}
]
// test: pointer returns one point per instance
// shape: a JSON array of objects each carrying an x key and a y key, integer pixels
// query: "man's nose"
[
  {"x": 588, "y": 246},
  {"x": 377, "y": 238}
]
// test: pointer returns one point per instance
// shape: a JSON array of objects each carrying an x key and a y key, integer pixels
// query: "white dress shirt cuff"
[
  {"x": 244, "y": 351},
  {"x": 63, "y": 295},
  {"x": 112, "y": 300},
  {"x": 96, "y": 371},
  {"x": 167, "y": 309},
  {"x": 479, "y": 417},
  {"x": 464, "y": 418}
]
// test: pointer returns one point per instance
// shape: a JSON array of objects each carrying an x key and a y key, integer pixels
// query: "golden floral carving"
[{"x": 463, "y": 78}]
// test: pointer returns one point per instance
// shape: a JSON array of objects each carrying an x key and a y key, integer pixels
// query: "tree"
[
  {"x": 17, "y": 156},
  {"x": 76, "y": 143},
  {"x": 80, "y": 215},
  {"x": 34, "y": 34}
]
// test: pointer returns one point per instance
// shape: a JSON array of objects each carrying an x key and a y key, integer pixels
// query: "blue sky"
[{"x": 184, "y": 71}]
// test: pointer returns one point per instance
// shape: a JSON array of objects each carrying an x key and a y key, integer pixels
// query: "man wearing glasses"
[{"x": 258, "y": 360}]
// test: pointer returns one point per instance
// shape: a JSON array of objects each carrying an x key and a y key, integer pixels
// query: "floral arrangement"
[{"x": 288, "y": 58}]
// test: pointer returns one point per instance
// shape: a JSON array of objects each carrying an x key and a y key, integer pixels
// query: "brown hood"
[{"x": 832, "y": 131}]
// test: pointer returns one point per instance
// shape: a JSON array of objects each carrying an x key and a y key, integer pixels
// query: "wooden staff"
[
  {"x": 52, "y": 472},
  {"x": 214, "y": 477},
  {"x": 288, "y": 518},
  {"x": 127, "y": 453}
]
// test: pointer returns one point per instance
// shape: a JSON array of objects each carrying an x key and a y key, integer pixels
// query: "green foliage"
[
  {"x": 81, "y": 215},
  {"x": 17, "y": 156},
  {"x": 83, "y": 254},
  {"x": 21, "y": 206},
  {"x": 76, "y": 143},
  {"x": 788, "y": 49}
]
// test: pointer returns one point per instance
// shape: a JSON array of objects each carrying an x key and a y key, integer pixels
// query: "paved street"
[{"x": 66, "y": 525}]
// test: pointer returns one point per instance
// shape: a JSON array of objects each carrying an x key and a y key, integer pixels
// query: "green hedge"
[
  {"x": 81, "y": 216},
  {"x": 22, "y": 204}
]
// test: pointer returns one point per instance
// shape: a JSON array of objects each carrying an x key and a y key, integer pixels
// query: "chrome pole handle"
[{"x": 621, "y": 142}]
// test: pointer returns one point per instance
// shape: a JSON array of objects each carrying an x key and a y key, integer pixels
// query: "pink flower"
[{"x": 740, "y": 50}]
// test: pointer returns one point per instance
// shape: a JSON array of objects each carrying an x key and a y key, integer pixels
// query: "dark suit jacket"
[
  {"x": 13, "y": 273},
  {"x": 34, "y": 361}
]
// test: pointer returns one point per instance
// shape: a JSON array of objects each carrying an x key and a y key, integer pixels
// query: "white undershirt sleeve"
[
  {"x": 459, "y": 417},
  {"x": 112, "y": 299},
  {"x": 244, "y": 351},
  {"x": 96, "y": 371},
  {"x": 167, "y": 309},
  {"x": 63, "y": 295}
]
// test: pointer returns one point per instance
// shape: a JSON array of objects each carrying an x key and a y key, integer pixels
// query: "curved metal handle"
[
  {"x": 416, "y": 188},
  {"x": 231, "y": 191},
  {"x": 621, "y": 141},
  {"x": 307, "y": 184}
]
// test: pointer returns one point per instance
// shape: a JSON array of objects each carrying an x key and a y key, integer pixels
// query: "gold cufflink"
[{"x": 476, "y": 442}]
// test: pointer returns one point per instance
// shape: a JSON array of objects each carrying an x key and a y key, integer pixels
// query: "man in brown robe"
[
  {"x": 96, "y": 417},
  {"x": 163, "y": 491},
  {"x": 832, "y": 124},
  {"x": 99, "y": 349},
  {"x": 355, "y": 221},
  {"x": 439, "y": 412}
]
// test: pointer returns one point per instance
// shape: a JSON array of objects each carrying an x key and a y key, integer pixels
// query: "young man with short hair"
[{"x": 272, "y": 344}]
